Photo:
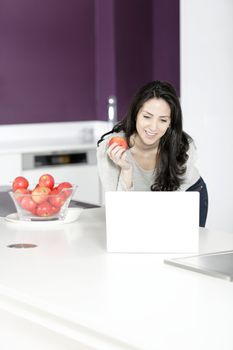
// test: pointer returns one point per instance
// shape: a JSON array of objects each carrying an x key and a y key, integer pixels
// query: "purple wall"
[
  {"x": 105, "y": 55},
  {"x": 134, "y": 55},
  {"x": 147, "y": 46},
  {"x": 166, "y": 41},
  {"x": 60, "y": 60},
  {"x": 47, "y": 60}
]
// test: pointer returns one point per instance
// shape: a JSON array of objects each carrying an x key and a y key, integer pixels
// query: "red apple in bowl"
[
  {"x": 46, "y": 180},
  {"x": 40, "y": 194}
]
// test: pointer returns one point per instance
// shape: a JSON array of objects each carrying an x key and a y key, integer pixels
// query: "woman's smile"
[{"x": 150, "y": 134}]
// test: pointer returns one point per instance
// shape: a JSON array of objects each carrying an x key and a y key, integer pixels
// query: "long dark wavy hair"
[{"x": 173, "y": 145}]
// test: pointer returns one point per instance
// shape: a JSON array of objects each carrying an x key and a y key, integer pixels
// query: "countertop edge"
[{"x": 54, "y": 320}]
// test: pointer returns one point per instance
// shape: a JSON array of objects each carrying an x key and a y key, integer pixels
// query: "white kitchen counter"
[{"x": 69, "y": 285}]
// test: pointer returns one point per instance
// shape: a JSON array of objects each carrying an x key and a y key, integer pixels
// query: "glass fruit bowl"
[{"x": 41, "y": 205}]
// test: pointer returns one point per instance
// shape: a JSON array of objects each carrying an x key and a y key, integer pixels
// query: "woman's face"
[{"x": 152, "y": 121}]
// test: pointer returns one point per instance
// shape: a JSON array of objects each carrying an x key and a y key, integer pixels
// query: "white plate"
[{"x": 72, "y": 215}]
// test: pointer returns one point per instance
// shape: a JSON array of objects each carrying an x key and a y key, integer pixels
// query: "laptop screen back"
[{"x": 153, "y": 222}]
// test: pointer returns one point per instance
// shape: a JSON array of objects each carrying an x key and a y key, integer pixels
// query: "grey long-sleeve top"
[{"x": 110, "y": 174}]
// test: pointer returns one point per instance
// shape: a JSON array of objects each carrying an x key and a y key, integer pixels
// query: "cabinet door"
[
  {"x": 84, "y": 176},
  {"x": 10, "y": 167}
]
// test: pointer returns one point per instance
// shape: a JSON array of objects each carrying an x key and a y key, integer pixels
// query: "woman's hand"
[{"x": 118, "y": 155}]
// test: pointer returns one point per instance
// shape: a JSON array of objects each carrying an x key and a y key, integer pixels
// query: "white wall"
[{"x": 207, "y": 98}]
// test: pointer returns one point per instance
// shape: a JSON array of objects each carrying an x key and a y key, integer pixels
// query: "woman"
[{"x": 160, "y": 155}]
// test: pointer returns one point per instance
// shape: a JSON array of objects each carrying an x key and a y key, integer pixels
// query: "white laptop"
[{"x": 152, "y": 222}]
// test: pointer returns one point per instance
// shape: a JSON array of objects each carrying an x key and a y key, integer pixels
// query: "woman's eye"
[
  {"x": 147, "y": 116},
  {"x": 164, "y": 120}
]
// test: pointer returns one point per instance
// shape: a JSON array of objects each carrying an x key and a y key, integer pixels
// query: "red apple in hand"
[{"x": 119, "y": 140}]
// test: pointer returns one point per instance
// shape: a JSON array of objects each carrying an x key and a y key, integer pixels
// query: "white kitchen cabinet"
[
  {"x": 84, "y": 176},
  {"x": 11, "y": 166}
]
